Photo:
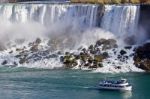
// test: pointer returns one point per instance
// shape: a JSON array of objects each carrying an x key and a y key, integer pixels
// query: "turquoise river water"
[{"x": 23, "y": 83}]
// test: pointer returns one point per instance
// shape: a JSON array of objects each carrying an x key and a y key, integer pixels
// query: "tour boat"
[{"x": 121, "y": 85}]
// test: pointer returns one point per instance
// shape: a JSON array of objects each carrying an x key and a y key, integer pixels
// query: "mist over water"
[
  {"x": 27, "y": 21},
  {"x": 11, "y": 33},
  {"x": 69, "y": 23}
]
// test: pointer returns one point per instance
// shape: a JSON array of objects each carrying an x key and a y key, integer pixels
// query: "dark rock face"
[
  {"x": 107, "y": 44},
  {"x": 144, "y": 19},
  {"x": 142, "y": 57},
  {"x": 34, "y": 48},
  {"x": 38, "y": 41},
  {"x": 4, "y": 62},
  {"x": 128, "y": 47},
  {"x": 122, "y": 52},
  {"x": 22, "y": 60}
]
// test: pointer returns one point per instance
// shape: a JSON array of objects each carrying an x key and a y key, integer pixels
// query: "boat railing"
[
  {"x": 110, "y": 85},
  {"x": 114, "y": 82}
]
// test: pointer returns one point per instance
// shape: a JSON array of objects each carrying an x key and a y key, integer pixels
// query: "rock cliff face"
[
  {"x": 142, "y": 57},
  {"x": 142, "y": 53},
  {"x": 144, "y": 19}
]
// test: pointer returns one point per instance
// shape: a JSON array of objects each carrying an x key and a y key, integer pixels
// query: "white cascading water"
[
  {"x": 66, "y": 22},
  {"x": 121, "y": 20},
  {"x": 48, "y": 14},
  {"x": 27, "y": 21}
]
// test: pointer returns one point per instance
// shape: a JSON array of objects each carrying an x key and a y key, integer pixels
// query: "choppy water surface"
[{"x": 22, "y": 83}]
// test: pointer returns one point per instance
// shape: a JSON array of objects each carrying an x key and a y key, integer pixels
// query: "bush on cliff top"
[{"x": 111, "y": 1}]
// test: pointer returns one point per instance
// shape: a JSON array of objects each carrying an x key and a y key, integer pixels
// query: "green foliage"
[
  {"x": 111, "y": 1},
  {"x": 116, "y": 1}
]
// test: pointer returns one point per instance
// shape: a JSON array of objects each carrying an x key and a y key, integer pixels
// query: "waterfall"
[
  {"x": 121, "y": 20},
  {"x": 48, "y": 14},
  {"x": 33, "y": 34}
]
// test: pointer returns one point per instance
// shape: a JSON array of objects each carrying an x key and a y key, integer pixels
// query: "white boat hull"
[{"x": 128, "y": 88}]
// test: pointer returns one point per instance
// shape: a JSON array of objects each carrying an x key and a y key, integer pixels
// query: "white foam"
[
  {"x": 71, "y": 25},
  {"x": 110, "y": 64},
  {"x": 90, "y": 36},
  {"x": 52, "y": 63}
]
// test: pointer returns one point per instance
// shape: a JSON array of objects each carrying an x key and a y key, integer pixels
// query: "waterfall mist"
[
  {"x": 40, "y": 35},
  {"x": 62, "y": 24},
  {"x": 68, "y": 25},
  {"x": 11, "y": 33}
]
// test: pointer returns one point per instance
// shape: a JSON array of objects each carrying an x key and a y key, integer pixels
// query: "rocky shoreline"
[
  {"x": 142, "y": 56},
  {"x": 104, "y": 53},
  {"x": 95, "y": 55},
  {"x": 91, "y": 57}
]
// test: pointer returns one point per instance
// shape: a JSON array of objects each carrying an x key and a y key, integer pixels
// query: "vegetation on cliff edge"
[{"x": 112, "y": 1}]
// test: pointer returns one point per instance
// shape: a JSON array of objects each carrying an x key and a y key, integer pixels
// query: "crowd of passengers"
[{"x": 115, "y": 82}]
